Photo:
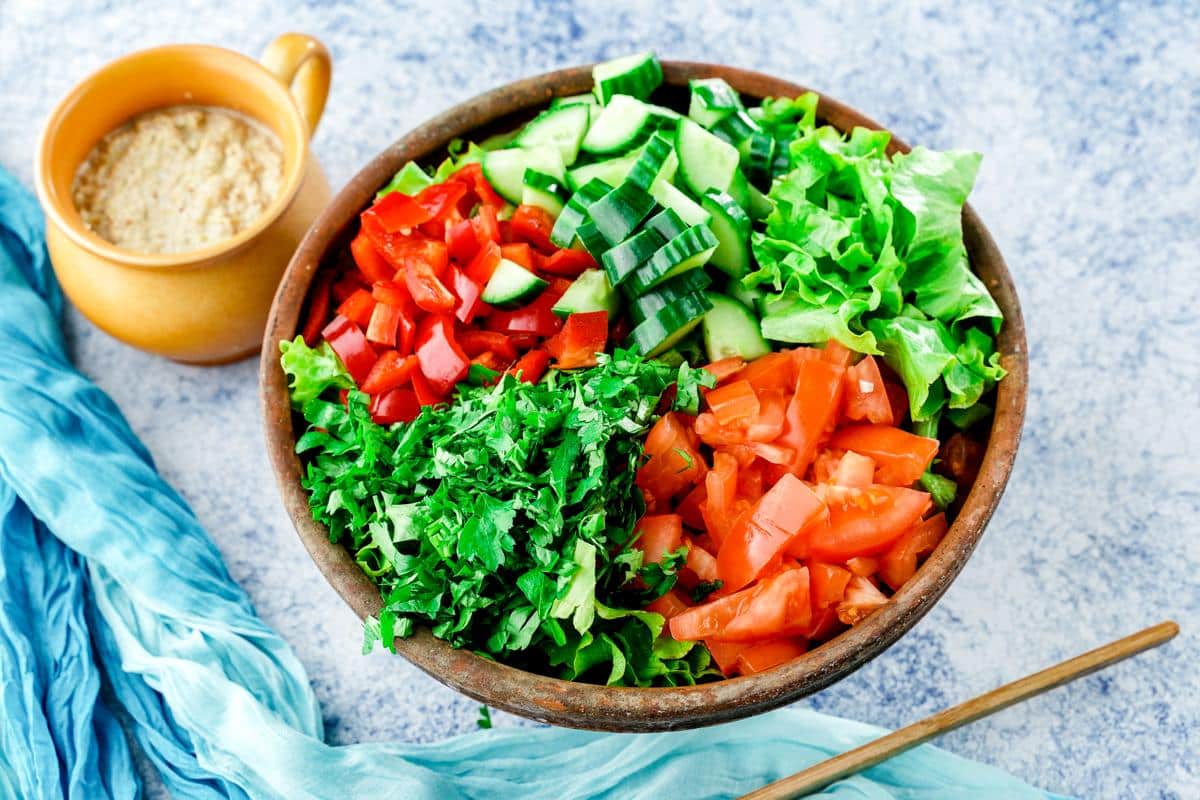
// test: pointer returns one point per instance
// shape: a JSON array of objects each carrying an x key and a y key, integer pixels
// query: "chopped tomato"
[
  {"x": 773, "y": 453},
  {"x": 701, "y": 562},
  {"x": 870, "y": 527},
  {"x": 898, "y": 400},
  {"x": 532, "y": 224},
  {"x": 358, "y": 307},
  {"x": 391, "y": 371},
  {"x": 396, "y": 405},
  {"x": 674, "y": 464},
  {"x": 750, "y": 481},
  {"x": 899, "y": 563},
  {"x": 854, "y": 470},
  {"x": 837, "y": 353},
  {"x": 668, "y": 432},
  {"x": 658, "y": 535},
  {"x": 828, "y": 584},
  {"x": 824, "y": 625},
  {"x": 715, "y": 434},
  {"x": 772, "y": 371},
  {"x": 768, "y": 424},
  {"x": 900, "y": 457},
  {"x": 766, "y": 655},
  {"x": 866, "y": 394},
  {"x": 720, "y": 490},
  {"x": 669, "y": 605},
  {"x": 733, "y": 402},
  {"x": 862, "y": 598},
  {"x": 775, "y": 606},
  {"x": 863, "y": 566},
  {"x": 368, "y": 259},
  {"x": 582, "y": 337},
  {"x": 725, "y": 654},
  {"x": 781, "y": 513},
  {"x": 531, "y": 367},
  {"x": 568, "y": 263},
  {"x": 812, "y": 410},
  {"x": 962, "y": 456},
  {"x": 351, "y": 346},
  {"x": 690, "y": 509},
  {"x": 442, "y": 361}
]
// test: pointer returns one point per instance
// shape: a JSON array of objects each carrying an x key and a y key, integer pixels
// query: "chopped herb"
[
  {"x": 485, "y": 718},
  {"x": 701, "y": 591}
]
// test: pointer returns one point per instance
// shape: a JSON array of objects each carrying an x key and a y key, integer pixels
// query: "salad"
[{"x": 648, "y": 396}]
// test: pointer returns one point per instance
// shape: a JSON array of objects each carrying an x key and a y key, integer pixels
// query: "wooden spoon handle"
[{"x": 868, "y": 755}]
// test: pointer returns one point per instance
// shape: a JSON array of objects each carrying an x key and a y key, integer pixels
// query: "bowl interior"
[{"x": 618, "y": 708}]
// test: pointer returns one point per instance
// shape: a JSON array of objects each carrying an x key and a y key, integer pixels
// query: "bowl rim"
[{"x": 632, "y": 709}]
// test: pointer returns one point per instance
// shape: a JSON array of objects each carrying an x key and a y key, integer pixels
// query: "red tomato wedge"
[
  {"x": 766, "y": 655},
  {"x": 701, "y": 562},
  {"x": 828, "y": 584},
  {"x": 775, "y": 606},
  {"x": 883, "y": 516},
  {"x": 862, "y": 598},
  {"x": 812, "y": 410},
  {"x": 658, "y": 535},
  {"x": 899, "y": 563},
  {"x": 781, "y": 513},
  {"x": 670, "y": 604},
  {"x": 720, "y": 491},
  {"x": 866, "y": 394},
  {"x": 900, "y": 457},
  {"x": 733, "y": 402}
]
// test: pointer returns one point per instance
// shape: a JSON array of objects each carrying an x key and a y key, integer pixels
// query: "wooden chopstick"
[{"x": 826, "y": 772}]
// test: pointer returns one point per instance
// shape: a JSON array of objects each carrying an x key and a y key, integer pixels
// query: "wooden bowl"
[{"x": 584, "y": 705}]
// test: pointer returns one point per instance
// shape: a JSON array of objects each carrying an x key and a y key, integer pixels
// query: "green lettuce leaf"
[{"x": 311, "y": 370}]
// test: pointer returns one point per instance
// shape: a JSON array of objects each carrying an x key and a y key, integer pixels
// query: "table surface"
[{"x": 1087, "y": 117}]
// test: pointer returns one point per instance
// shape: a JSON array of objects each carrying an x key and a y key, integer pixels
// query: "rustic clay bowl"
[{"x": 597, "y": 707}]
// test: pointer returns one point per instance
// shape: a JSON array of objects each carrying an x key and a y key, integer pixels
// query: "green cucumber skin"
[
  {"x": 731, "y": 329},
  {"x": 511, "y": 284},
  {"x": 690, "y": 282},
  {"x": 590, "y": 291},
  {"x": 660, "y": 332}
]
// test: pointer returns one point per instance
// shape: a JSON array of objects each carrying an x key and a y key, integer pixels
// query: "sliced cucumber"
[
  {"x": 611, "y": 170},
  {"x": 591, "y": 291},
  {"x": 511, "y": 284},
  {"x": 587, "y": 100},
  {"x": 505, "y": 169},
  {"x": 660, "y": 332},
  {"x": 712, "y": 100},
  {"x": 656, "y": 161},
  {"x": 619, "y": 212},
  {"x": 592, "y": 240},
  {"x": 621, "y": 261},
  {"x": 731, "y": 226},
  {"x": 666, "y": 224},
  {"x": 736, "y": 128},
  {"x": 688, "y": 250},
  {"x": 758, "y": 157},
  {"x": 685, "y": 207},
  {"x": 575, "y": 212},
  {"x": 563, "y": 128},
  {"x": 647, "y": 305},
  {"x": 760, "y": 204},
  {"x": 705, "y": 162},
  {"x": 544, "y": 191},
  {"x": 731, "y": 329},
  {"x": 637, "y": 75},
  {"x": 752, "y": 297},
  {"x": 623, "y": 124},
  {"x": 410, "y": 180}
]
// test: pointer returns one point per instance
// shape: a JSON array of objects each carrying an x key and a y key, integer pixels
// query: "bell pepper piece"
[
  {"x": 519, "y": 253},
  {"x": 470, "y": 304},
  {"x": 397, "y": 405},
  {"x": 442, "y": 361},
  {"x": 568, "y": 263},
  {"x": 581, "y": 338},
  {"x": 358, "y": 307},
  {"x": 351, "y": 346},
  {"x": 531, "y": 367},
  {"x": 474, "y": 341},
  {"x": 318, "y": 308},
  {"x": 391, "y": 371},
  {"x": 533, "y": 225},
  {"x": 374, "y": 266}
]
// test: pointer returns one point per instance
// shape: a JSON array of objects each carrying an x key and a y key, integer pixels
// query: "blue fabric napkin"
[{"x": 104, "y": 568}]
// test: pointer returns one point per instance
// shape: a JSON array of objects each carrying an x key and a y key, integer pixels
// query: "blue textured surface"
[{"x": 1087, "y": 117}]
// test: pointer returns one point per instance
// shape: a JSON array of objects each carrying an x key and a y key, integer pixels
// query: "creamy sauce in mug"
[{"x": 178, "y": 179}]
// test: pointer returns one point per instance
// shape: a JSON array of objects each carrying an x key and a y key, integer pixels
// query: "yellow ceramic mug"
[{"x": 207, "y": 306}]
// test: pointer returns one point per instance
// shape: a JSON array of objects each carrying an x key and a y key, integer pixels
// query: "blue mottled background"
[{"x": 1089, "y": 118}]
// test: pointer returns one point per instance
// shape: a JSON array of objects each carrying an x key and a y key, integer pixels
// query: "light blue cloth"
[{"x": 95, "y": 546}]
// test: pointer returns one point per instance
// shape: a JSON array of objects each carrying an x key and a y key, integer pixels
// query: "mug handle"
[{"x": 302, "y": 63}]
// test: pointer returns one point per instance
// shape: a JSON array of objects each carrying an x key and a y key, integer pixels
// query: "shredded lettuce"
[
  {"x": 311, "y": 370},
  {"x": 868, "y": 250}
]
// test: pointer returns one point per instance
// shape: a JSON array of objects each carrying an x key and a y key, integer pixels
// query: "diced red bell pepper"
[
  {"x": 384, "y": 324},
  {"x": 391, "y": 371},
  {"x": 426, "y": 394},
  {"x": 490, "y": 360},
  {"x": 484, "y": 263},
  {"x": 318, "y": 307},
  {"x": 582, "y": 337},
  {"x": 533, "y": 225},
  {"x": 470, "y": 304},
  {"x": 531, "y": 367},
  {"x": 400, "y": 212},
  {"x": 374, "y": 266},
  {"x": 397, "y": 405},
  {"x": 394, "y": 293},
  {"x": 568, "y": 263},
  {"x": 442, "y": 361},
  {"x": 351, "y": 346},
  {"x": 487, "y": 226},
  {"x": 535, "y": 318},
  {"x": 472, "y": 176},
  {"x": 347, "y": 285},
  {"x": 358, "y": 307},
  {"x": 425, "y": 261},
  {"x": 518, "y": 253},
  {"x": 474, "y": 341},
  {"x": 461, "y": 241}
]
